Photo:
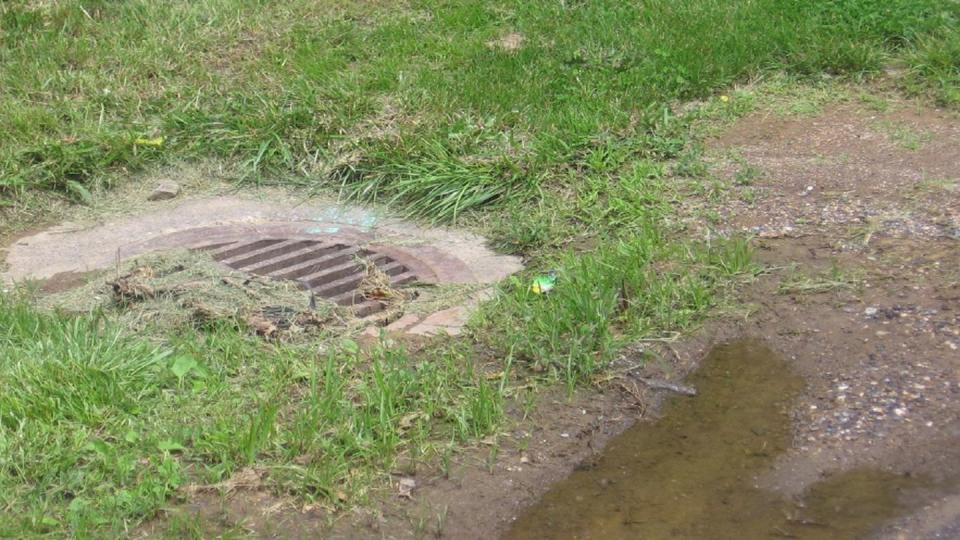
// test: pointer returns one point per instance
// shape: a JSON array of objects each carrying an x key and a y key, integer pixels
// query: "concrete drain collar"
[{"x": 320, "y": 247}]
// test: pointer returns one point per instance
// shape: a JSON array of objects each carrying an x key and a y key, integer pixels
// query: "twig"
[
  {"x": 660, "y": 384},
  {"x": 637, "y": 397},
  {"x": 666, "y": 339},
  {"x": 674, "y": 351}
]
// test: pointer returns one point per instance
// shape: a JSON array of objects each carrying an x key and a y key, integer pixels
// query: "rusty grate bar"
[
  {"x": 332, "y": 259},
  {"x": 254, "y": 258},
  {"x": 329, "y": 270},
  {"x": 240, "y": 249}
]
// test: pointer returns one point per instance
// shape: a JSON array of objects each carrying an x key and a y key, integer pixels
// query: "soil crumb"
[{"x": 690, "y": 475}]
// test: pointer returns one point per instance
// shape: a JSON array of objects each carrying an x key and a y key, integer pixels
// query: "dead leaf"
[
  {"x": 246, "y": 478},
  {"x": 407, "y": 421},
  {"x": 405, "y": 487},
  {"x": 509, "y": 42},
  {"x": 130, "y": 290},
  {"x": 261, "y": 325}
]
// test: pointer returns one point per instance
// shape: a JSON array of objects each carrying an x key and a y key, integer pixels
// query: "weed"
[
  {"x": 864, "y": 233},
  {"x": 441, "y": 522},
  {"x": 446, "y": 461},
  {"x": 622, "y": 290},
  {"x": 528, "y": 403},
  {"x": 934, "y": 66},
  {"x": 76, "y": 455},
  {"x": 746, "y": 174},
  {"x": 937, "y": 185},
  {"x": 835, "y": 279},
  {"x": 492, "y": 457},
  {"x": 261, "y": 429},
  {"x": 691, "y": 164},
  {"x": 113, "y": 421},
  {"x": 437, "y": 186},
  {"x": 874, "y": 103},
  {"x": 905, "y": 137},
  {"x": 524, "y": 444},
  {"x": 521, "y": 230}
]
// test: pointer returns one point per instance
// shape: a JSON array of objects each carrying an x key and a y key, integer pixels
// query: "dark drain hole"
[{"x": 329, "y": 270}]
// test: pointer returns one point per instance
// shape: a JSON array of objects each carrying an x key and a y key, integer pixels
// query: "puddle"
[{"x": 690, "y": 474}]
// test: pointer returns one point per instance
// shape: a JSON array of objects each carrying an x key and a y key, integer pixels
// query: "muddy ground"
[{"x": 856, "y": 216}]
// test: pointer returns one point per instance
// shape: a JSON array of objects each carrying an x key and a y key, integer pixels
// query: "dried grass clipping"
[
  {"x": 166, "y": 290},
  {"x": 375, "y": 285}
]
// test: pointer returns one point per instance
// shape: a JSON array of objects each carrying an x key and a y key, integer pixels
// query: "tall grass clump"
[
  {"x": 934, "y": 68},
  {"x": 625, "y": 290},
  {"x": 437, "y": 186},
  {"x": 72, "y": 391}
]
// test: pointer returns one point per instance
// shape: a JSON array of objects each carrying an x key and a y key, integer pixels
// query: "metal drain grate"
[{"x": 329, "y": 270}]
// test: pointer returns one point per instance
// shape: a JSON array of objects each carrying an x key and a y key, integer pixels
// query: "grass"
[
  {"x": 620, "y": 293},
  {"x": 438, "y": 186},
  {"x": 101, "y": 430},
  {"x": 904, "y": 137},
  {"x": 279, "y": 88},
  {"x": 834, "y": 279},
  {"x": 568, "y": 149}
]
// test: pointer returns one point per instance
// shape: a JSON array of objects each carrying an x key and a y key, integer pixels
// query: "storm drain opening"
[
  {"x": 328, "y": 254},
  {"x": 330, "y": 270}
]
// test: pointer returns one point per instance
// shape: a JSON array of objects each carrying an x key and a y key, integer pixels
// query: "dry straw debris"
[{"x": 160, "y": 292}]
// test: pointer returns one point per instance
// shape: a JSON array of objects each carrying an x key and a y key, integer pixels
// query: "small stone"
[
  {"x": 870, "y": 311},
  {"x": 431, "y": 330},
  {"x": 403, "y": 323},
  {"x": 453, "y": 317},
  {"x": 448, "y": 321},
  {"x": 405, "y": 487},
  {"x": 164, "y": 191}
]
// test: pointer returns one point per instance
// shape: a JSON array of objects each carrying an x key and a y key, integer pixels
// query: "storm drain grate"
[{"x": 329, "y": 270}]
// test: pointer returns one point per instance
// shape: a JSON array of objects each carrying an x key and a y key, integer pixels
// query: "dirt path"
[{"x": 864, "y": 206}]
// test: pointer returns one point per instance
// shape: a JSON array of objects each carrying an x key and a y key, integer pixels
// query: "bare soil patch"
[
  {"x": 508, "y": 42},
  {"x": 858, "y": 208},
  {"x": 848, "y": 168}
]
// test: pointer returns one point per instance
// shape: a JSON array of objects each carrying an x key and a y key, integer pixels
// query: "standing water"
[{"x": 690, "y": 474}]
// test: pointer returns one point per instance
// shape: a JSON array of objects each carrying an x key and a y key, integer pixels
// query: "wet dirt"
[{"x": 690, "y": 474}]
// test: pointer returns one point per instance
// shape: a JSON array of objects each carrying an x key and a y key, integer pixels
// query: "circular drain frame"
[{"x": 329, "y": 269}]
